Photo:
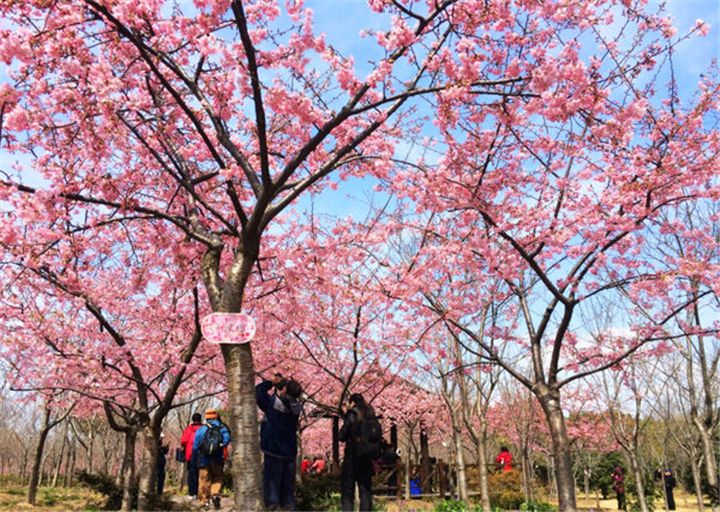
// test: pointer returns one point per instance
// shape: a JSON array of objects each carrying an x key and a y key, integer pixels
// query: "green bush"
[
  {"x": 505, "y": 490},
  {"x": 50, "y": 497},
  {"x": 318, "y": 492},
  {"x": 451, "y": 506}
]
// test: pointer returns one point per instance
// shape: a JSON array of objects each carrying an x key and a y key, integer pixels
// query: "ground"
[{"x": 12, "y": 498}]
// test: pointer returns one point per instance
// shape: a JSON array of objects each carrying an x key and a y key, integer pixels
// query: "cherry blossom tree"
[
  {"x": 211, "y": 118},
  {"x": 557, "y": 191},
  {"x": 118, "y": 346}
]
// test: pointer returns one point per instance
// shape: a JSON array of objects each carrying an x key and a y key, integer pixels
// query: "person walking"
[
  {"x": 186, "y": 441},
  {"x": 209, "y": 445},
  {"x": 362, "y": 435},
  {"x": 618, "y": 479},
  {"x": 278, "y": 439}
]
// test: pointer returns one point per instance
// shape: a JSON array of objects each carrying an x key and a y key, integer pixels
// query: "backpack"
[
  {"x": 369, "y": 441},
  {"x": 212, "y": 443}
]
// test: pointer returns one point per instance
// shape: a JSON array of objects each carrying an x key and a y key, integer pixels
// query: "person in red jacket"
[
  {"x": 504, "y": 460},
  {"x": 186, "y": 441}
]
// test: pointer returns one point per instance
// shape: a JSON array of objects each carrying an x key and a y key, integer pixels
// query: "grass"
[
  {"x": 685, "y": 503},
  {"x": 12, "y": 497}
]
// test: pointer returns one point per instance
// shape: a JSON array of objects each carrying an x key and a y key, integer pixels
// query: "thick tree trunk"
[
  {"x": 246, "y": 468},
  {"x": 37, "y": 462},
  {"x": 127, "y": 476},
  {"x": 147, "y": 477},
  {"x": 483, "y": 465},
  {"x": 564, "y": 478}
]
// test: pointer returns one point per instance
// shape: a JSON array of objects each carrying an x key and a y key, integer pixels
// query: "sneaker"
[{"x": 216, "y": 502}]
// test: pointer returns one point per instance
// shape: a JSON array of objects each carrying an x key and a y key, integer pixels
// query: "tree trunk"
[
  {"x": 70, "y": 466},
  {"x": 483, "y": 465},
  {"x": 697, "y": 481},
  {"x": 37, "y": 462},
  {"x": 127, "y": 475},
  {"x": 147, "y": 475},
  {"x": 586, "y": 481},
  {"x": 58, "y": 464},
  {"x": 425, "y": 467},
  {"x": 91, "y": 450},
  {"x": 408, "y": 440},
  {"x": 564, "y": 478},
  {"x": 462, "y": 491},
  {"x": 639, "y": 482},
  {"x": 335, "y": 444},
  {"x": 526, "y": 467},
  {"x": 247, "y": 477},
  {"x": 711, "y": 468}
]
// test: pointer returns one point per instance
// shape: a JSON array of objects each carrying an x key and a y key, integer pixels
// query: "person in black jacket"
[
  {"x": 278, "y": 439},
  {"x": 669, "y": 481},
  {"x": 355, "y": 469}
]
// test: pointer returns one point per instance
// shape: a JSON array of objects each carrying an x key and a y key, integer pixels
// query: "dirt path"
[{"x": 186, "y": 503}]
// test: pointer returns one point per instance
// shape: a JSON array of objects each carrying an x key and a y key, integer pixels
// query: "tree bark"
[
  {"x": 127, "y": 476},
  {"x": 58, "y": 464},
  {"x": 711, "y": 468},
  {"x": 483, "y": 464},
  {"x": 408, "y": 441},
  {"x": 37, "y": 462},
  {"x": 639, "y": 481},
  {"x": 147, "y": 475},
  {"x": 247, "y": 483},
  {"x": 550, "y": 401},
  {"x": 586, "y": 481},
  {"x": 425, "y": 468},
  {"x": 697, "y": 481},
  {"x": 462, "y": 490}
]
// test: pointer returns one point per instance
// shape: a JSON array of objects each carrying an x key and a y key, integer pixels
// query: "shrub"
[
  {"x": 506, "y": 490},
  {"x": 451, "y": 506},
  {"x": 537, "y": 506},
  {"x": 50, "y": 497},
  {"x": 318, "y": 492}
]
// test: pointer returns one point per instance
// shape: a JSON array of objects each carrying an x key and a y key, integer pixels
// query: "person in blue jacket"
[
  {"x": 278, "y": 439},
  {"x": 210, "y": 455}
]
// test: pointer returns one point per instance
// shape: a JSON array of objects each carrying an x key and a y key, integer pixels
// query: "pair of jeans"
[
  {"x": 360, "y": 472},
  {"x": 192, "y": 477},
  {"x": 279, "y": 482}
]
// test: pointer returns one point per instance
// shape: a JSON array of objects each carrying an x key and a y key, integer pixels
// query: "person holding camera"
[{"x": 278, "y": 439}]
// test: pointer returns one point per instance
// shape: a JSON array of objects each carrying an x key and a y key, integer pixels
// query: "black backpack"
[
  {"x": 369, "y": 439},
  {"x": 212, "y": 443}
]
